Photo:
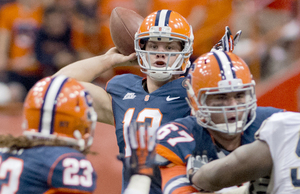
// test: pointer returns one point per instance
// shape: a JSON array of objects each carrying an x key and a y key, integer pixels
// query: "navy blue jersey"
[
  {"x": 181, "y": 138},
  {"x": 45, "y": 168},
  {"x": 131, "y": 102}
]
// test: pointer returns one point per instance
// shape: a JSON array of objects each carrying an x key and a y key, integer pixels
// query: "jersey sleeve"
[
  {"x": 273, "y": 130},
  {"x": 72, "y": 171},
  {"x": 174, "y": 143},
  {"x": 269, "y": 127},
  {"x": 175, "y": 181}
]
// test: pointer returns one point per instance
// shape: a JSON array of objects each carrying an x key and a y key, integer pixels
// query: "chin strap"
[
  {"x": 231, "y": 128},
  {"x": 160, "y": 76}
]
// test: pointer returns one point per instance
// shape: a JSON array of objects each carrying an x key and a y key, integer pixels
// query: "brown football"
[{"x": 123, "y": 24}]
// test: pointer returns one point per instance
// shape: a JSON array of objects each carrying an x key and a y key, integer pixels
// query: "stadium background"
[{"x": 281, "y": 90}]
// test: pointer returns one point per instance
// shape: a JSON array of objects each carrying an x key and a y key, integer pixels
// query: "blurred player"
[
  {"x": 275, "y": 152},
  {"x": 59, "y": 123},
  {"x": 141, "y": 163},
  {"x": 223, "y": 102},
  {"x": 163, "y": 47}
]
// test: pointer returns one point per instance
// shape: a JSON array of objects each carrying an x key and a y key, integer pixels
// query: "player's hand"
[
  {"x": 195, "y": 162},
  {"x": 227, "y": 42},
  {"x": 259, "y": 186},
  {"x": 142, "y": 145},
  {"x": 120, "y": 59}
]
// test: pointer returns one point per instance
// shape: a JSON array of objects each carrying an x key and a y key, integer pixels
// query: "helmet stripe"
[
  {"x": 231, "y": 65},
  {"x": 162, "y": 17},
  {"x": 225, "y": 65},
  {"x": 49, "y": 105}
]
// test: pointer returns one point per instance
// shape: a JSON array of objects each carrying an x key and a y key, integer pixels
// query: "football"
[{"x": 123, "y": 25}]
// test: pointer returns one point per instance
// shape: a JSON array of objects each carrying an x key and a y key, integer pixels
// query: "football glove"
[
  {"x": 227, "y": 42},
  {"x": 195, "y": 161},
  {"x": 259, "y": 186},
  {"x": 142, "y": 145}
]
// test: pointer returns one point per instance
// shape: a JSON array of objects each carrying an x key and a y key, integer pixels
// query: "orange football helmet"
[
  {"x": 220, "y": 72},
  {"x": 164, "y": 26},
  {"x": 60, "y": 107}
]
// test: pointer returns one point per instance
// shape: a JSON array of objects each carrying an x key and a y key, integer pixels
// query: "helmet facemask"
[
  {"x": 163, "y": 34},
  {"x": 244, "y": 112}
]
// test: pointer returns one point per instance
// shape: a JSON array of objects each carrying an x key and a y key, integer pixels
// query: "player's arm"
[
  {"x": 101, "y": 103},
  {"x": 88, "y": 69},
  {"x": 248, "y": 162}
]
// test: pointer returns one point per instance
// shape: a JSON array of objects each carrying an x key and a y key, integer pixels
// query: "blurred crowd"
[{"x": 37, "y": 38}]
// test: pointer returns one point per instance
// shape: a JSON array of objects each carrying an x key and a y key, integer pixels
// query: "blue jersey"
[
  {"x": 45, "y": 169},
  {"x": 183, "y": 137},
  {"x": 130, "y": 102}
]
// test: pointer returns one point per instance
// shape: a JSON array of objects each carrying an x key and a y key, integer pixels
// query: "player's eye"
[
  {"x": 221, "y": 97},
  {"x": 240, "y": 95},
  {"x": 153, "y": 47}
]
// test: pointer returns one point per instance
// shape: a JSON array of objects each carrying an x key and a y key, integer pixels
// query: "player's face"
[
  {"x": 158, "y": 59},
  {"x": 223, "y": 100}
]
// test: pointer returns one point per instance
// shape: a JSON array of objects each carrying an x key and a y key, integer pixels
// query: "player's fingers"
[
  {"x": 112, "y": 50},
  {"x": 141, "y": 135},
  {"x": 132, "y": 57},
  {"x": 225, "y": 43},
  {"x": 237, "y": 37},
  {"x": 132, "y": 131},
  {"x": 231, "y": 43},
  {"x": 129, "y": 60},
  {"x": 151, "y": 141}
]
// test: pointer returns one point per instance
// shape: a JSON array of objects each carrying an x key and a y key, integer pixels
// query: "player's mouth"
[
  {"x": 159, "y": 64},
  {"x": 231, "y": 119}
]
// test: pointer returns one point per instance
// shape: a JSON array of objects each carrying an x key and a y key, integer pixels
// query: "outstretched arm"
[
  {"x": 101, "y": 103},
  {"x": 88, "y": 69},
  {"x": 248, "y": 162}
]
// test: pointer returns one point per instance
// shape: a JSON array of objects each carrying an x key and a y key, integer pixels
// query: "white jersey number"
[
  {"x": 153, "y": 113},
  {"x": 15, "y": 167},
  {"x": 72, "y": 167},
  {"x": 70, "y": 175},
  {"x": 167, "y": 129}
]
